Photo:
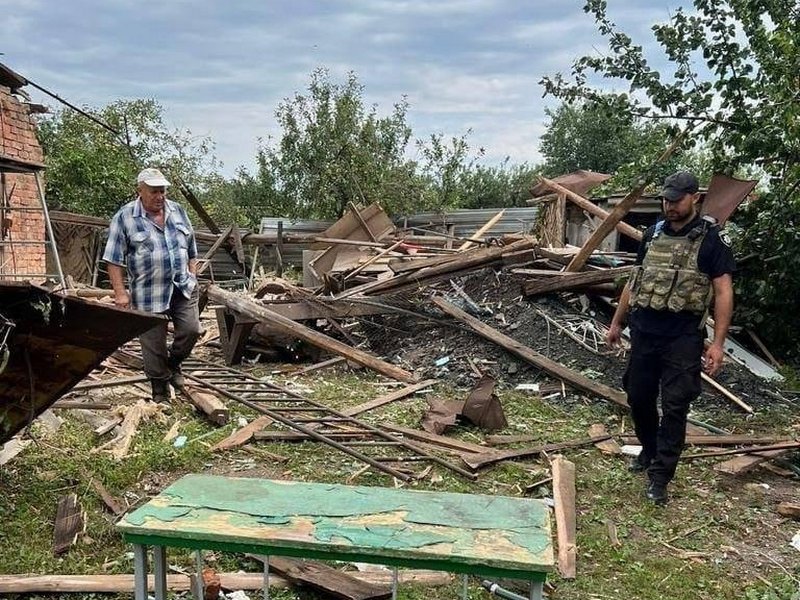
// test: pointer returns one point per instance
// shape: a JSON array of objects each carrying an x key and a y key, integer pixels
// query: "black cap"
[{"x": 677, "y": 185}]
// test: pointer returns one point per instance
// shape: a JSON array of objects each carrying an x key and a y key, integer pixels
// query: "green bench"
[{"x": 490, "y": 536}]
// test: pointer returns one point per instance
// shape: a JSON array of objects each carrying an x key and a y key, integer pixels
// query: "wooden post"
[
  {"x": 615, "y": 216},
  {"x": 279, "y": 251}
]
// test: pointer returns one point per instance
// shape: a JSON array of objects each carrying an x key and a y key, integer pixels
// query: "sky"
[{"x": 221, "y": 69}]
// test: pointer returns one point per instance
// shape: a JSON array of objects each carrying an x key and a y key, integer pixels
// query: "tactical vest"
[{"x": 668, "y": 278}]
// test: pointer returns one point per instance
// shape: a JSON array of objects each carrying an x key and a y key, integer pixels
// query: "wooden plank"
[
  {"x": 195, "y": 203},
  {"x": 530, "y": 355},
  {"x": 707, "y": 439},
  {"x": 250, "y": 309},
  {"x": 348, "y": 227},
  {"x": 566, "y": 527},
  {"x": 790, "y": 445},
  {"x": 573, "y": 280},
  {"x": 70, "y": 522},
  {"x": 327, "y": 579},
  {"x": 438, "y": 440},
  {"x": 609, "y": 446},
  {"x": 242, "y": 435},
  {"x": 323, "y": 309},
  {"x": 92, "y": 385},
  {"x": 373, "y": 258},
  {"x": 210, "y": 404},
  {"x": 478, "y": 236},
  {"x": 620, "y": 210},
  {"x": 592, "y": 208},
  {"x": 113, "y": 503},
  {"x": 742, "y": 464},
  {"x": 331, "y": 362},
  {"x": 241, "y": 258},
  {"x": 238, "y": 335},
  {"x": 33, "y": 584},
  {"x": 388, "y": 398},
  {"x": 361, "y": 221},
  {"x": 483, "y": 460}
]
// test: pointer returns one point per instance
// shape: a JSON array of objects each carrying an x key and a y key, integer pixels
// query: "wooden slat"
[
  {"x": 70, "y": 522},
  {"x": 388, "y": 398},
  {"x": 327, "y": 579},
  {"x": 243, "y": 435},
  {"x": 478, "y": 235},
  {"x": 478, "y": 461}
]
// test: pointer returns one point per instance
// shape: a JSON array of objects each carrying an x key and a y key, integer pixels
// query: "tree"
[
  {"x": 90, "y": 170},
  {"x": 734, "y": 80},
  {"x": 332, "y": 151}
]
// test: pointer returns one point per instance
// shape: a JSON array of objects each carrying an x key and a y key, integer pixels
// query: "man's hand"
[
  {"x": 122, "y": 299},
  {"x": 712, "y": 359},
  {"x": 614, "y": 335}
]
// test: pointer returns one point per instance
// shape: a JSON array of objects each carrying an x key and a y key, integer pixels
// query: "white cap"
[{"x": 153, "y": 178}]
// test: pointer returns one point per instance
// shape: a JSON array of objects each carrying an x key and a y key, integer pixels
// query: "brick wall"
[{"x": 18, "y": 141}]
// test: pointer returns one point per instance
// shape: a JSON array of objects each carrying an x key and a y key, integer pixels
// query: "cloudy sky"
[{"x": 221, "y": 68}]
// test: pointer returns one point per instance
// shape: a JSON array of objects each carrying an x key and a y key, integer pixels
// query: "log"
[
  {"x": 789, "y": 509},
  {"x": 566, "y": 528},
  {"x": 250, "y": 309},
  {"x": 32, "y": 584},
  {"x": 532, "y": 356},
  {"x": 558, "y": 284},
  {"x": 212, "y": 406}
]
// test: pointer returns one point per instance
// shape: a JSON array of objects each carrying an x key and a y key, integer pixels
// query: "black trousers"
[{"x": 671, "y": 366}]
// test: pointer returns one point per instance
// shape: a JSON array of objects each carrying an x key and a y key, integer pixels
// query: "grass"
[{"x": 717, "y": 539}]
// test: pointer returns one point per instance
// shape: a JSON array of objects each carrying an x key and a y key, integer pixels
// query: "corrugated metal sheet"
[{"x": 467, "y": 221}]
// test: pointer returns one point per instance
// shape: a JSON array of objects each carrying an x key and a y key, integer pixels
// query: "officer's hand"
[
  {"x": 712, "y": 359},
  {"x": 122, "y": 300},
  {"x": 614, "y": 335}
]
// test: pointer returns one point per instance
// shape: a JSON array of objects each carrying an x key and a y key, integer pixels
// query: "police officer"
[{"x": 684, "y": 266}]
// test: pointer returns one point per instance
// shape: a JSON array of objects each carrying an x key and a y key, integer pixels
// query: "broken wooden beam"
[
  {"x": 326, "y": 579},
  {"x": 286, "y": 326},
  {"x": 214, "y": 408},
  {"x": 477, "y": 237},
  {"x": 574, "y": 280},
  {"x": 620, "y": 210},
  {"x": 564, "y": 508},
  {"x": 532, "y": 356},
  {"x": 592, "y": 208}
]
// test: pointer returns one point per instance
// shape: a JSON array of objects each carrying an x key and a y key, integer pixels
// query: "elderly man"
[
  {"x": 684, "y": 261},
  {"x": 151, "y": 237}
]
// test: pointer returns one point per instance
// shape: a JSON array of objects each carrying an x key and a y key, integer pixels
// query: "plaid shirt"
[{"x": 157, "y": 259}]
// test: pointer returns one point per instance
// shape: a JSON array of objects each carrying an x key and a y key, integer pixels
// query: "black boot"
[
  {"x": 176, "y": 378},
  {"x": 657, "y": 493},
  {"x": 160, "y": 391}
]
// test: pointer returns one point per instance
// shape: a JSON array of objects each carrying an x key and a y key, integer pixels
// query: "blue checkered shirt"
[{"x": 157, "y": 259}]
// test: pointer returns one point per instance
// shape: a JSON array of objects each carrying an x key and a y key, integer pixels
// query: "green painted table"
[{"x": 494, "y": 536}]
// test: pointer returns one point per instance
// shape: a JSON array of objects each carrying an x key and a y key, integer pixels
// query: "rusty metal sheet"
[
  {"x": 55, "y": 341},
  {"x": 724, "y": 195},
  {"x": 580, "y": 182}
]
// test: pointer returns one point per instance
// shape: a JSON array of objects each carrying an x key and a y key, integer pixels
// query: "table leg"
[
  {"x": 537, "y": 590},
  {"x": 464, "y": 587},
  {"x": 140, "y": 572},
  {"x": 198, "y": 561},
  {"x": 394, "y": 583},
  {"x": 266, "y": 577},
  {"x": 160, "y": 572}
]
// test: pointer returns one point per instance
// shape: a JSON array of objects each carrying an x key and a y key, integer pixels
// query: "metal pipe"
[{"x": 500, "y": 592}]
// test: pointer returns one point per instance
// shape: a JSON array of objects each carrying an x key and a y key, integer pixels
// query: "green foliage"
[
  {"x": 499, "y": 186},
  {"x": 92, "y": 171},
  {"x": 733, "y": 79},
  {"x": 333, "y": 150}
]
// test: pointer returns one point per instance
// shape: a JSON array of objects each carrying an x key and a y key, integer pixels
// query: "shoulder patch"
[{"x": 724, "y": 238}]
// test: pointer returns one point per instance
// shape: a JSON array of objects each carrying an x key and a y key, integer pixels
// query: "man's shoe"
[
  {"x": 176, "y": 379},
  {"x": 638, "y": 464},
  {"x": 657, "y": 493},
  {"x": 160, "y": 391}
]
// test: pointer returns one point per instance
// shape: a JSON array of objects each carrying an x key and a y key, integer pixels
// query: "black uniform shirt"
[{"x": 715, "y": 259}]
